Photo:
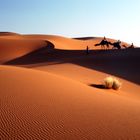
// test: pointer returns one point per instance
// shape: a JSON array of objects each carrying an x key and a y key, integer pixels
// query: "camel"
[
  {"x": 103, "y": 43},
  {"x": 116, "y": 44},
  {"x": 107, "y": 43},
  {"x": 131, "y": 46}
]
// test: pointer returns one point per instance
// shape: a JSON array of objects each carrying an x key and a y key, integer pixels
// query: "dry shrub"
[
  {"x": 116, "y": 84},
  {"x": 111, "y": 82}
]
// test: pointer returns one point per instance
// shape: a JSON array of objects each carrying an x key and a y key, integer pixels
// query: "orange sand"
[{"x": 54, "y": 95}]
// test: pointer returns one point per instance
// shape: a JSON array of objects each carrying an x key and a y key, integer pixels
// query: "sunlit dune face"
[{"x": 34, "y": 100}]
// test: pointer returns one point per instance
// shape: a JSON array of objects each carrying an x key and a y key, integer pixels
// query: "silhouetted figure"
[
  {"x": 103, "y": 43},
  {"x": 127, "y": 47},
  {"x": 87, "y": 50},
  {"x": 104, "y": 38},
  {"x": 116, "y": 44},
  {"x": 131, "y": 46}
]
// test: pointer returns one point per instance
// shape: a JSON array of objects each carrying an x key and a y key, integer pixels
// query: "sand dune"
[
  {"x": 53, "y": 92},
  {"x": 121, "y": 63},
  {"x": 61, "y": 42},
  {"x": 92, "y": 69},
  {"x": 40, "y": 105},
  {"x": 23, "y": 44},
  {"x": 90, "y": 77},
  {"x": 72, "y": 44},
  {"x": 11, "y": 48},
  {"x": 9, "y": 34}
]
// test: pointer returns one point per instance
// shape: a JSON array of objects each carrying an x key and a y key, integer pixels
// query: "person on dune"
[{"x": 87, "y": 50}]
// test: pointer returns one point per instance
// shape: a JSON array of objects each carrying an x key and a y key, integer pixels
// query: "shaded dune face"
[
  {"x": 121, "y": 63},
  {"x": 38, "y": 105},
  {"x": 14, "y": 48}
]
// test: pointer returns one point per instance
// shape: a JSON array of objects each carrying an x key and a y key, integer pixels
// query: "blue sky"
[{"x": 118, "y": 19}]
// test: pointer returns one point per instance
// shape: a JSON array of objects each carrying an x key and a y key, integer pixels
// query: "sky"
[{"x": 117, "y": 19}]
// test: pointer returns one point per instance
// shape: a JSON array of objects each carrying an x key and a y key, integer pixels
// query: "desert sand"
[{"x": 50, "y": 89}]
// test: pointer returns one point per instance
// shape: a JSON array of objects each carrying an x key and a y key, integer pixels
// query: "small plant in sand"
[
  {"x": 111, "y": 82},
  {"x": 116, "y": 84},
  {"x": 108, "y": 82}
]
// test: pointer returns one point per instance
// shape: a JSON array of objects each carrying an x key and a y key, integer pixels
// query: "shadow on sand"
[
  {"x": 123, "y": 63},
  {"x": 98, "y": 86}
]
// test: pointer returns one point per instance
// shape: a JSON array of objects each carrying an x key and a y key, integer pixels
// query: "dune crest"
[
  {"x": 13, "y": 48},
  {"x": 71, "y": 43},
  {"x": 9, "y": 34}
]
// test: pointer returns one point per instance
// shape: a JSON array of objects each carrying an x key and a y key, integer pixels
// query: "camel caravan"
[{"x": 105, "y": 44}]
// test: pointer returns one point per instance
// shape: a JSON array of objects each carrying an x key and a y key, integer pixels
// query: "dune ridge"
[
  {"x": 72, "y": 43},
  {"x": 9, "y": 34}
]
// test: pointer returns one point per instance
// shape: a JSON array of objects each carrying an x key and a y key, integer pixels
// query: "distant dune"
[
  {"x": 23, "y": 44},
  {"x": 9, "y": 34},
  {"x": 61, "y": 42},
  {"x": 51, "y": 89},
  {"x": 71, "y": 44}
]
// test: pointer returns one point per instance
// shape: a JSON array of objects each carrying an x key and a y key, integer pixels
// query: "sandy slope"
[
  {"x": 89, "y": 69},
  {"x": 91, "y": 77},
  {"x": 11, "y": 48},
  {"x": 62, "y": 42},
  {"x": 14, "y": 45},
  {"x": 40, "y": 105}
]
